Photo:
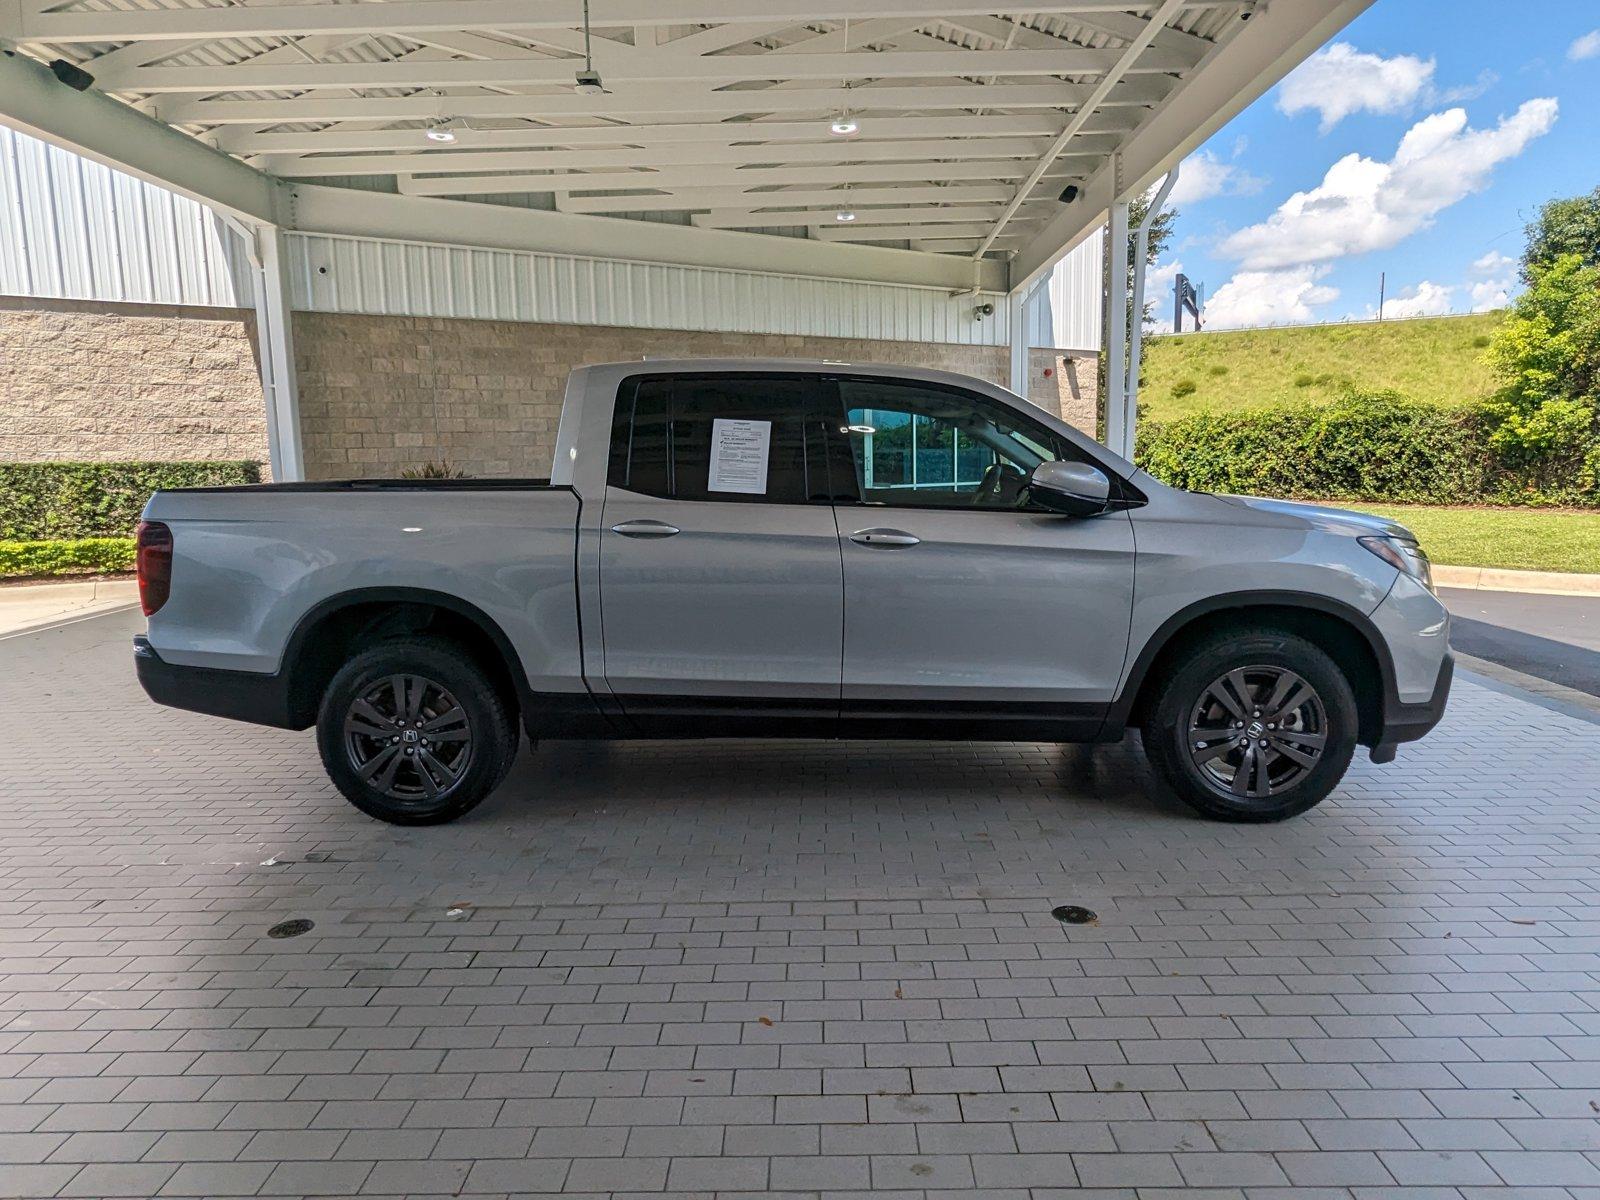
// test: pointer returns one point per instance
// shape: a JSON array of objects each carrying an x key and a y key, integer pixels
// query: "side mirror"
[{"x": 1074, "y": 489}]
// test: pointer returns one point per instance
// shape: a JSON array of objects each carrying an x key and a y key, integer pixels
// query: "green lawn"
[
  {"x": 1523, "y": 539},
  {"x": 1438, "y": 359}
]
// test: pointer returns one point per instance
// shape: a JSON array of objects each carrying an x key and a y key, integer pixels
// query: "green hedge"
[
  {"x": 1374, "y": 447},
  {"x": 71, "y": 556},
  {"x": 97, "y": 500}
]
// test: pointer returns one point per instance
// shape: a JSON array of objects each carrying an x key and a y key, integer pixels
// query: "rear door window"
[{"x": 752, "y": 438}]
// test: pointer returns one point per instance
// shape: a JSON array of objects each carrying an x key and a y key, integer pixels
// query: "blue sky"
[{"x": 1417, "y": 143}]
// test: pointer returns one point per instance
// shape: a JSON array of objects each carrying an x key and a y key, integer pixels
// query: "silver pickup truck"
[{"x": 794, "y": 549}]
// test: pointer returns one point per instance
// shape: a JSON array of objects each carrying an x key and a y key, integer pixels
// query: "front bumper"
[
  {"x": 1408, "y": 722},
  {"x": 239, "y": 695}
]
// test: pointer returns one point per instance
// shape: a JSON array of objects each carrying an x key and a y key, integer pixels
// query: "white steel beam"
[
  {"x": 823, "y": 217},
  {"x": 1116, "y": 301},
  {"x": 725, "y": 68},
  {"x": 1137, "y": 51},
  {"x": 1141, "y": 254},
  {"x": 1020, "y": 306},
  {"x": 1259, "y": 54},
  {"x": 400, "y": 16},
  {"x": 646, "y": 102},
  {"x": 839, "y": 231},
  {"x": 280, "y": 387},
  {"x": 682, "y": 177},
  {"x": 731, "y": 205},
  {"x": 719, "y": 133},
  {"x": 959, "y": 245},
  {"x": 412, "y": 218},
  {"x": 444, "y": 162},
  {"x": 34, "y": 102}
]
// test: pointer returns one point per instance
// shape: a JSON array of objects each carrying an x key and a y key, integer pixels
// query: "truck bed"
[
  {"x": 251, "y": 564},
  {"x": 387, "y": 485}
]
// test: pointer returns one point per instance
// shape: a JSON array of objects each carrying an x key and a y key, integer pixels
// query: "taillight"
[{"x": 154, "y": 560}]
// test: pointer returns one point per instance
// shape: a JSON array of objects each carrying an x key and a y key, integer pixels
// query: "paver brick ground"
[{"x": 791, "y": 968}]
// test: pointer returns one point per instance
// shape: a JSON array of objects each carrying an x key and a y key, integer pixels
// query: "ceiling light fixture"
[
  {"x": 444, "y": 131},
  {"x": 844, "y": 126},
  {"x": 587, "y": 82},
  {"x": 844, "y": 214}
]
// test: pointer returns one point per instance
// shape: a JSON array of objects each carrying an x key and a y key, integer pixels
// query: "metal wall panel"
[
  {"x": 370, "y": 275},
  {"x": 1069, "y": 315},
  {"x": 73, "y": 229}
]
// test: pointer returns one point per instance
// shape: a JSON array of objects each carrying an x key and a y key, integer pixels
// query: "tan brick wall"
[
  {"x": 378, "y": 394},
  {"x": 81, "y": 380},
  {"x": 95, "y": 381}
]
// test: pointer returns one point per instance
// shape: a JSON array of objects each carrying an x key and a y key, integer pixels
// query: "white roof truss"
[{"x": 716, "y": 118}]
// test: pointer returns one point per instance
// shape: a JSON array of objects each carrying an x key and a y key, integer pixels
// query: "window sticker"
[{"x": 739, "y": 451}]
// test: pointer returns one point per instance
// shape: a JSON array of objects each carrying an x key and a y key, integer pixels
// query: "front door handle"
[
  {"x": 645, "y": 529},
  {"x": 887, "y": 539}
]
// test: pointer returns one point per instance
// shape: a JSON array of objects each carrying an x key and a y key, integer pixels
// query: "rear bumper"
[
  {"x": 238, "y": 695},
  {"x": 1408, "y": 722}
]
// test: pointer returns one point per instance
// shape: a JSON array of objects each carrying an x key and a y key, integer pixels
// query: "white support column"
[
  {"x": 1116, "y": 407},
  {"x": 280, "y": 387},
  {"x": 1141, "y": 255},
  {"x": 1019, "y": 314}
]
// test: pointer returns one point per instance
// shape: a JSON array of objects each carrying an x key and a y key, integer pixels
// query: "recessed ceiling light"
[
  {"x": 844, "y": 214},
  {"x": 843, "y": 126}
]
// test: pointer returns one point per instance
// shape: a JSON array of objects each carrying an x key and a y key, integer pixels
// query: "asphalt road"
[{"x": 1550, "y": 637}]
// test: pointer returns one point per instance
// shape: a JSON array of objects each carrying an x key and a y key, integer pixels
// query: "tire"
[
  {"x": 1227, "y": 687},
  {"x": 414, "y": 778}
]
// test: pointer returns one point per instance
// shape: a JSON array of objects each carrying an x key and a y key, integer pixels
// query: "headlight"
[{"x": 1404, "y": 555}]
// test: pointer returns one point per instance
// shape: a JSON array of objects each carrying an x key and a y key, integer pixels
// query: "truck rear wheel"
[
  {"x": 1257, "y": 725},
  {"x": 414, "y": 732}
]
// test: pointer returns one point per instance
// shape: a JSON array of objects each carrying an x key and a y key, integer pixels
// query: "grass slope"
[
  {"x": 1521, "y": 539},
  {"x": 1437, "y": 359}
]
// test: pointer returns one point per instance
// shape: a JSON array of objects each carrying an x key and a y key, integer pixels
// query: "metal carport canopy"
[{"x": 718, "y": 119}]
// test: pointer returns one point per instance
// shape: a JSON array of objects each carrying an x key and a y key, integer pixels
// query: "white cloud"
[
  {"x": 1363, "y": 205},
  {"x": 1158, "y": 279},
  {"x": 1269, "y": 298},
  {"x": 1588, "y": 46},
  {"x": 1158, "y": 291},
  {"x": 1425, "y": 300},
  {"x": 1342, "y": 80},
  {"x": 1493, "y": 263},
  {"x": 1487, "y": 78},
  {"x": 1496, "y": 276},
  {"x": 1204, "y": 175}
]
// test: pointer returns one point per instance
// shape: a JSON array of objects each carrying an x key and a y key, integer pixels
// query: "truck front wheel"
[
  {"x": 1254, "y": 725},
  {"x": 414, "y": 732}
]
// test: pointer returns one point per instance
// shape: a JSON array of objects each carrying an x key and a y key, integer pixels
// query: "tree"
[
  {"x": 1570, "y": 226},
  {"x": 1547, "y": 354}
]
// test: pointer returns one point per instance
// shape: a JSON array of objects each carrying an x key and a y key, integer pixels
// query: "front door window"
[{"x": 923, "y": 446}]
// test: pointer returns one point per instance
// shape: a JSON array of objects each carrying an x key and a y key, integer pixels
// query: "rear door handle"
[
  {"x": 887, "y": 539},
  {"x": 645, "y": 529}
]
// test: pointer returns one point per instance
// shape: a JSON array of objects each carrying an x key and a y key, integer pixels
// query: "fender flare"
[
  {"x": 1173, "y": 627},
  {"x": 292, "y": 663}
]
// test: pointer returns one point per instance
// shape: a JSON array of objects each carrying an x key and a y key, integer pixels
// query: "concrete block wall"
[
  {"x": 89, "y": 380},
  {"x": 378, "y": 394},
  {"x": 97, "y": 381}
]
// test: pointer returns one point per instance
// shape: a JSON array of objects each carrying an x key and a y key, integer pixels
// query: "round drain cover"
[
  {"x": 1072, "y": 914},
  {"x": 289, "y": 929}
]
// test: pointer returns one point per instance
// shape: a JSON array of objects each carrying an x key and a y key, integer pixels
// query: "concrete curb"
[
  {"x": 27, "y": 608},
  {"x": 1497, "y": 579}
]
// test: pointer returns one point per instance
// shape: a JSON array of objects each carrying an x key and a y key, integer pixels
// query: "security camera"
[
  {"x": 982, "y": 311},
  {"x": 1068, "y": 193},
  {"x": 74, "y": 77}
]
